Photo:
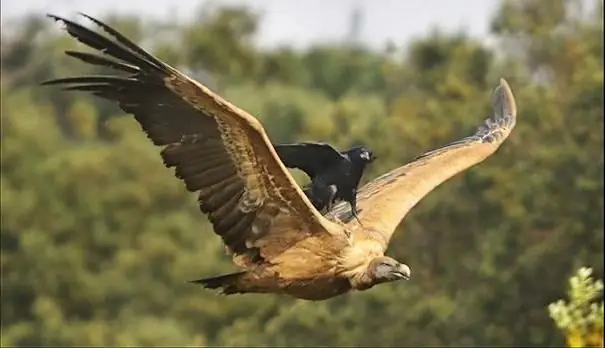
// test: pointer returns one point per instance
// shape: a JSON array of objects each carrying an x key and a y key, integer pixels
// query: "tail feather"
[{"x": 228, "y": 283}]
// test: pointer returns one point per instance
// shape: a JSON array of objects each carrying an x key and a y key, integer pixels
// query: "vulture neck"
[
  {"x": 363, "y": 281},
  {"x": 357, "y": 261}
]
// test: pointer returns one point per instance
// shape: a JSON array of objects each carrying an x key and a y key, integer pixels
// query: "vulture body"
[
  {"x": 334, "y": 175},
  {"x": 281, "y": 243}
]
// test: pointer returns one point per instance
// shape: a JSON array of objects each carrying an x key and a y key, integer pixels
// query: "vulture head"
[{"x": 385, "y": 269}]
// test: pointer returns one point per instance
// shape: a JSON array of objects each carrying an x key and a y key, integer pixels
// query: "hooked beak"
[{"x": 403, "y": 272}]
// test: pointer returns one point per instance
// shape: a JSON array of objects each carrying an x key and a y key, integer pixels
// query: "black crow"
[{"x": 334, "y": 175}]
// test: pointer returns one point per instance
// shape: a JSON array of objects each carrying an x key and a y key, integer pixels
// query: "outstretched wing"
[
  {"x": 309, "y": 157},
  {"x": 217, "y": 149},
  {"x": 385, "y": 201}
]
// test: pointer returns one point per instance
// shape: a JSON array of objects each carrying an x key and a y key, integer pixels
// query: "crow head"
[{"x": 361, "y": 154}]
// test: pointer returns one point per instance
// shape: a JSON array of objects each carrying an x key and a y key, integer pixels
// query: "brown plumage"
[{"x": 281, "y": 243}]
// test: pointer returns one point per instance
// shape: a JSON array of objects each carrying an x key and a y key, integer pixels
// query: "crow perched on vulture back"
[
  {"x": 280, "y": 242},
  {"x": 334, "y": 175}
]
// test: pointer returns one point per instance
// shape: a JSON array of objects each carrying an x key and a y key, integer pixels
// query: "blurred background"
[{"x": 98, "y": 238}]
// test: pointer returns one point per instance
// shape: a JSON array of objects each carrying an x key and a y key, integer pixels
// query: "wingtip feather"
[
  {"x": 504, "y": 103},
  {"x": 93, "y": 19},
  {"x": 58, "y": 18}
]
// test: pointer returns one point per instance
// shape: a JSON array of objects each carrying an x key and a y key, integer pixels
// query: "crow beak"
[{"x": 368, "y": 156}]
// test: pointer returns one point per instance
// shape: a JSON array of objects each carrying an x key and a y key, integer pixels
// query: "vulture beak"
[{"x": 403, "y": 272}]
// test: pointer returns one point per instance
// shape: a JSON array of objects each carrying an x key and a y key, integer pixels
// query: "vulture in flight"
[
  {"x": 334, "y": 175},
  {"x": 280, "y": 242}
]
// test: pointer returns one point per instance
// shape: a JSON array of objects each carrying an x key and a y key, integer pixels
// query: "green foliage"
[
  {"x": 98, "y": 237},
  {"x": 581, "y": 319}
]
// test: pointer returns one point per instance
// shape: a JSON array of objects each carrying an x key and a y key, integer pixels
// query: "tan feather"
[
  {"x": 217, "y": 149},
  {"x": 385, "y": 201}
]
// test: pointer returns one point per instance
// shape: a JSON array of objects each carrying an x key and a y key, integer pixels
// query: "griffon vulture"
[
  {"x": 279, "y": 240},
  {"x": 334, "y": 175}
]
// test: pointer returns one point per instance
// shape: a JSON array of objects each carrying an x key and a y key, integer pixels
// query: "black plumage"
[{"x": 334, "y": 175}]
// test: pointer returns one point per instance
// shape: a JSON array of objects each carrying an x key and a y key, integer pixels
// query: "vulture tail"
[{"x": 234, "y": 283}]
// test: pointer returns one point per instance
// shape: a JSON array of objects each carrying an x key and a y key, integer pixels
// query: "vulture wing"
[
  {"x": 386, "y": 200},
  {"x": 218, "y": 150},
  {"x": 309, "y": 157}
]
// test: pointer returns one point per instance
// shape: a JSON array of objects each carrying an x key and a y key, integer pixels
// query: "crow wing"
[
  {"x": 218, "y": 150},
  {"x": 386, "y": 200},
  {"x": 310, "y": 157}
]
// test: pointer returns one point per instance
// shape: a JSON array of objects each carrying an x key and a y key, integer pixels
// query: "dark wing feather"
[
  {"x": 217, "y": 149},
  {"x": 311, "y": 158},
  {"x": 385, "y": 201}
]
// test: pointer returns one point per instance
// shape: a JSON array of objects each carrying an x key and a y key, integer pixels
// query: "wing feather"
[
  {"x": 311, "y": 158},
  {"x": 386, "y": 200},
  {"x": 217, "y": 149}
]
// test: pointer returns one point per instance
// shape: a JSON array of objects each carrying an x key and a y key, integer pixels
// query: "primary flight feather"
[{"x": 279, "y": 240}]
